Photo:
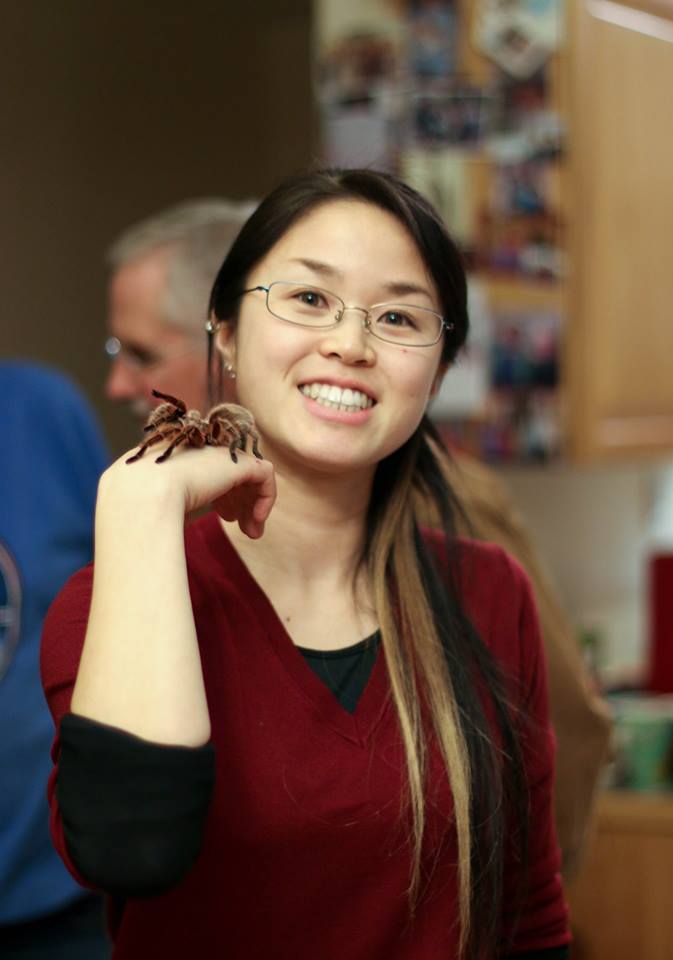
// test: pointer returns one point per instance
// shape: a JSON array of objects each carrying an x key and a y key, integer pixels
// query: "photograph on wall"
[
  {"x": 455, "y": 115},
  {"x": 520, "y": 230},
  {"x": 432, "y": 40},
  {"x": 519, "y": 189},
  {"x": 518, "y": 35},
  {"x": 524, "y": 379},
  {"x": 357, "y": 57},
  {"x": 525, "y": 349},
  {"x": 524, "y": 124},
  {"x": 445, "y": 178},
  {"x": 521, "y": 427}
]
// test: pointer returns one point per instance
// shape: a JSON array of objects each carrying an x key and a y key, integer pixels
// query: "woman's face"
[{"x": 365, "y": 256}]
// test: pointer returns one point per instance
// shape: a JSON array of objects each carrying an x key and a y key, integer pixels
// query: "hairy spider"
[{"x": 226, "y": 425}]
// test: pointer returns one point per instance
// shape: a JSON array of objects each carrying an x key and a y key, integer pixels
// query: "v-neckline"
[{"x": 356, "y": 726}]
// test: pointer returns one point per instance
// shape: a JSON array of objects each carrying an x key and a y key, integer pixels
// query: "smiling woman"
[
  {"x": 337, "y": 721},
  {"x": 391, "y": 351}
]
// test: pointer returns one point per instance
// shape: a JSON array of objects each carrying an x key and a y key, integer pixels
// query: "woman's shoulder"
[
  {"x": 209, "y": 561},
  {"x": 478, "y": 562},
  {"x": 495, "y": 593},
  {"x": 73, "y": 599}
]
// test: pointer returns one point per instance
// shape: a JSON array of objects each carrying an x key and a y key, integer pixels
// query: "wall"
[
  {"x": 594, "y": 527},
  {"x": 112, "y": 110}
]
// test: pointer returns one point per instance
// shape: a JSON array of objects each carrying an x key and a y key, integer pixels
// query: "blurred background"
[{"x": 543, "y": 131}]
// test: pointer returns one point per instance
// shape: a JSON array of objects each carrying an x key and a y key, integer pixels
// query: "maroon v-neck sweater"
[{"x": 305, "y": 853}]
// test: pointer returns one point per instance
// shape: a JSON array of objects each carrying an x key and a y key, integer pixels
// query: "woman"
[{"x": 369, "y": 700}]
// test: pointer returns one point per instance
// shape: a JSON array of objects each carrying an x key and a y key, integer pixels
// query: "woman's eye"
[
  {"x": 311, "y": 298},
  {"x": 394, "y": 318}
]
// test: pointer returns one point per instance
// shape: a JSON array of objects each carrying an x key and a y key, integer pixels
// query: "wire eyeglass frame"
[{"x": 443, "y": 325}]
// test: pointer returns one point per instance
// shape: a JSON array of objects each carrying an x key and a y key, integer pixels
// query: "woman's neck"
[
  {"x": 315, "y": 532},
  {"x": 307, "y": 560}
]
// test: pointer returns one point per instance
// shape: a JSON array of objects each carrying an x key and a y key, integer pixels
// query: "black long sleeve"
[{"x": 133, "y": 811}]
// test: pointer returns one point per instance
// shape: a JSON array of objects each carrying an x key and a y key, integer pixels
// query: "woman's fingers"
[
  {"x": 250, "y": 498},
  {"x": 244, "y": 490}
]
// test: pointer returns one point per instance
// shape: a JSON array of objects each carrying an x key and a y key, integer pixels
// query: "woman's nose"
[{"x": 349, "y": 339}]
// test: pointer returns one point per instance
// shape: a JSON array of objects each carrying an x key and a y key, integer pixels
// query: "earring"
[{"x": 231, "y": 373}]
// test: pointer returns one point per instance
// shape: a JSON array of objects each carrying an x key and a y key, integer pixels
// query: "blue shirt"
[{"x": 52, "y": 456}]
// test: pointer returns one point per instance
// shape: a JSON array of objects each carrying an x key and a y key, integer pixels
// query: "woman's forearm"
[{"x": 140, "y": 668}]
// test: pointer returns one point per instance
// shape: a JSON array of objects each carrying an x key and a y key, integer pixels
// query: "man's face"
[{"x": 151, "y": 354}]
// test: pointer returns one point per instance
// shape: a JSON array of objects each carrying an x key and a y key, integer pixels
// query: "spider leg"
[
  {"x": 181, "y": 437},
  {"x": 180, "y": 404},
  {"x": 216, "y": 431},
  {"x": 160, "y": 421},
  {"x": 255, "y": 448},
  {"x": 232, "y": 450},
  {"x": 148, "y": 443}
]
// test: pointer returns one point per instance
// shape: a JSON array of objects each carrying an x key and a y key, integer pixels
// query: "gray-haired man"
[{"x": 162, "y": 271}]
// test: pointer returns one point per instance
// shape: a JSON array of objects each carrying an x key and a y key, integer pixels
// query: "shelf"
[
  {"x": 630, "y": 812},
  {"x": 514, "y": 292}
]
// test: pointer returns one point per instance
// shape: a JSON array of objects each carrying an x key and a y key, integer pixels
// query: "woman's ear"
[{"x": 225, "y": 342}]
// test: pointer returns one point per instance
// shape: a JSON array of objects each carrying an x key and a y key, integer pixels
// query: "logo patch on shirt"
[{"x": 10, "y": 608}]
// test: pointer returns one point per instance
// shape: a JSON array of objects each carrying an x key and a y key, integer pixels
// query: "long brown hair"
[{"x": 439, "y": 668}]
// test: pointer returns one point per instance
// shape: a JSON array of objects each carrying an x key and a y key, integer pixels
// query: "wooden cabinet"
[
  {"x": 612, "y": 82},
  {"x": 622, "y": 902},
  {"x": 618, "y": 358}
]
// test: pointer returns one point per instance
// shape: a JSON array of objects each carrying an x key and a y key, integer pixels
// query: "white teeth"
[{"x": 328, "y": 395}]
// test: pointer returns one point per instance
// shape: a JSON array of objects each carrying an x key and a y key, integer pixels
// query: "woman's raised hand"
[
  {"x": 191, "y": 479},
  {"x": 140, "y": 668}
]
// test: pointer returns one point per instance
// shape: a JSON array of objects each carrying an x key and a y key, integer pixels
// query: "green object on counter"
[{"x": 644, "y": 744}]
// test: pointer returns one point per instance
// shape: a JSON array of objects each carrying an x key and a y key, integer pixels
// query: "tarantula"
[{"x": 226, "y": 425}]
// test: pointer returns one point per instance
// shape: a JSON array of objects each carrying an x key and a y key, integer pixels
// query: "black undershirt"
[
  {"x": 134, "y": 812},
  {"x": 345, "y": 671}
]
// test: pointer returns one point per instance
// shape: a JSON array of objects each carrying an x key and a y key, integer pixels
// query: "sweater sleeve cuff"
[{"x": 133, "y": 811}]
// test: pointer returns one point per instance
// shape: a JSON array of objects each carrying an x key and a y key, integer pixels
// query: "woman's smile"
[
  {"x": 336, "y": 405},
  {"x": 336, "y": 397}
]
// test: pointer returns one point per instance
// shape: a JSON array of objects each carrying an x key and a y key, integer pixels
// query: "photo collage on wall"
[{"x": 455, "y": 96}]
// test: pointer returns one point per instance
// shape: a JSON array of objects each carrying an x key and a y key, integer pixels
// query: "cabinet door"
[
  {"x": 621, "y": 904},
  {"x": 618, "y": 358}
]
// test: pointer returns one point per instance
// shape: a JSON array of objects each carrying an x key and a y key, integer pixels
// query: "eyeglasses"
[
  {"x": 137, "y": 359},
  {"x": 401, "y": 323}
]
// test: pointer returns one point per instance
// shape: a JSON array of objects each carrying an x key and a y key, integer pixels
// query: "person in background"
[
  {"x": 52, "y": 456},
  {"x": 162, "y": 272}
]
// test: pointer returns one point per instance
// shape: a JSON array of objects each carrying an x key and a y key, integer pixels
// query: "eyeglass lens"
[
  {"x": 314, "y": 307},
  {"x": 133, "y": 357}
]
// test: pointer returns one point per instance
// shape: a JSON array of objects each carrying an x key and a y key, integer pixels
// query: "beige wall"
[
  {"x": 112, "y": 110},
  {"x": 595, "y": 528}
]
